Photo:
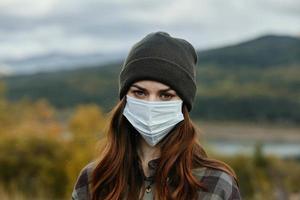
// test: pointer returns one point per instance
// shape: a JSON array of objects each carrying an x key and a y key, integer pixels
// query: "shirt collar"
[{"x": 152, "y": 164}]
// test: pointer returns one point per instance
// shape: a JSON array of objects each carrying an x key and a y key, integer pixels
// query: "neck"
[{"x": 147, "y": 152}]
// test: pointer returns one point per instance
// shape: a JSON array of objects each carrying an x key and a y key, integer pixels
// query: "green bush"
[
  {"x": 34, "y": 166},
  {"x": 264, "y": 177}
]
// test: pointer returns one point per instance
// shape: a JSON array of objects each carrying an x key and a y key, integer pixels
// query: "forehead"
[{"x": 150, "y": 84}]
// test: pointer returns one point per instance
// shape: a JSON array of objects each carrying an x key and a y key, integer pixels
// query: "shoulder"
[
  {"x": 219, "y": 184},
  {"x": 81, "y": 189}
]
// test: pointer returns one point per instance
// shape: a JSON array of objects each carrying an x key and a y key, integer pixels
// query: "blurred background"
[{"x": 59, "y": 66}]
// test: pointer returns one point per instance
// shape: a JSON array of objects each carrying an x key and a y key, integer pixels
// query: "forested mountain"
[
  {"x": 266, "y": 51},
  {"x": 252, "y": 80}
]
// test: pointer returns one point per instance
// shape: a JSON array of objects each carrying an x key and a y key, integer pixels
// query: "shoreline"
[{"x": 248, "y": 131}]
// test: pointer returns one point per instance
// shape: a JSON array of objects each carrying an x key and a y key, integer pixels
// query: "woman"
[{"x": 152, "y": 150}]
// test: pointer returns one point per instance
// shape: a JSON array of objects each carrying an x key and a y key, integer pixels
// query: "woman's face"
[{"x": 152, "y": 91}]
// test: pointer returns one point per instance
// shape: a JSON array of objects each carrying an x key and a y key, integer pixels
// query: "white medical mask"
[{"x": 153, "y": 119}]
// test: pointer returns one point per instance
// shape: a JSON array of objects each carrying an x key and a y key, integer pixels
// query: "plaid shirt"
[{"x": 220, "y": 185}]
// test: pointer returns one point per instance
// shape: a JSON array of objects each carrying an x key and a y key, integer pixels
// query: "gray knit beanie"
[{"x": 163, "y": 58}]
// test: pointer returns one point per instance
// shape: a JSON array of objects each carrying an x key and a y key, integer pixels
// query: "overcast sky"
[{"x": 39, "y": 27}]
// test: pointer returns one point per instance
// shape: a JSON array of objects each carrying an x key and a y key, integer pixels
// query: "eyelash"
[{"x": 139, "y": 91}]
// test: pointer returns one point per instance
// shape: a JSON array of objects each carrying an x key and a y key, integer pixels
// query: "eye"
[
  {"x": 138, "y": 93},
  {"x": 166, "y": 96}
]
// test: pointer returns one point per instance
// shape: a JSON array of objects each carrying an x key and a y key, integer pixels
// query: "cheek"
[
  {"x": 177, "y": 98},
  {"x": 129, "y": 94}
]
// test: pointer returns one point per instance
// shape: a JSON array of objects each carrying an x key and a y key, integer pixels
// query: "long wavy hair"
[{"x": 117, "y": 175}]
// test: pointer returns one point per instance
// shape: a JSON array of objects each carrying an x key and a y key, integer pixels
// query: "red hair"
[{"x": 117, "y": 176}]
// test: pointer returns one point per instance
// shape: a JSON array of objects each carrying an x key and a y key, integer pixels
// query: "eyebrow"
[{"x": 141, "y": 88}]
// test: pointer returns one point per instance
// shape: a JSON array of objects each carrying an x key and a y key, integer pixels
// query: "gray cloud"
[{"x": 31, "y": 27}]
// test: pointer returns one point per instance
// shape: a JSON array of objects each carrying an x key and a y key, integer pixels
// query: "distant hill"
[
  {"x": 266, "y": 51},
  {"x": 254, "y": 80},
  {"x": 50, "y": 62}
]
